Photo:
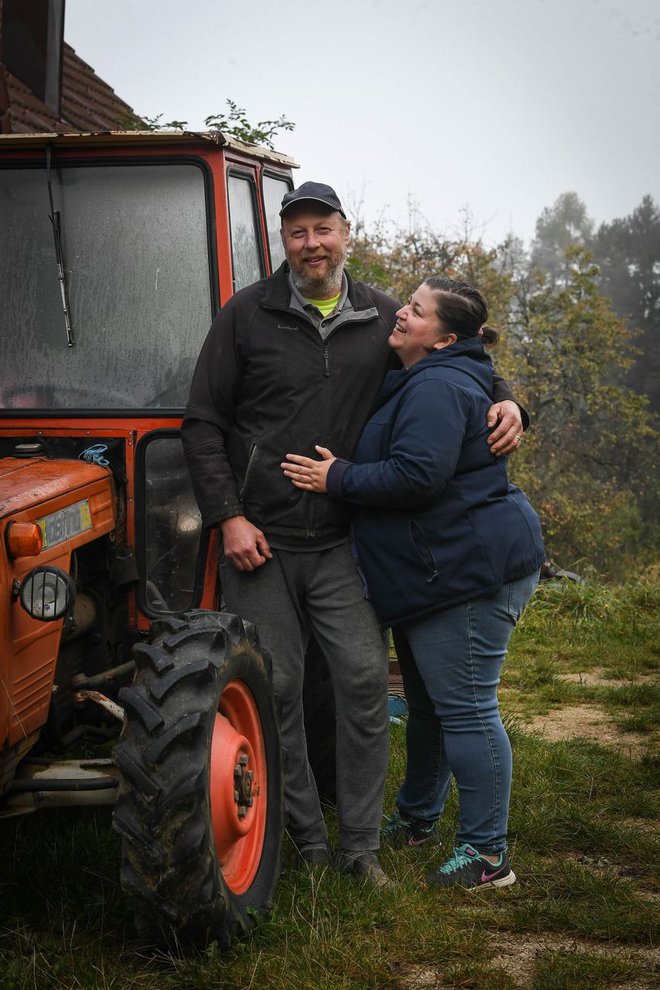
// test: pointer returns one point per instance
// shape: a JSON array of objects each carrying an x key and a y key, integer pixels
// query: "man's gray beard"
[{"x": 326, "y": 287}]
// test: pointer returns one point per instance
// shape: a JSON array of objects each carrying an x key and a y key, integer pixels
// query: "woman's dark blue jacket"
[{"x": 439, "y": 523}]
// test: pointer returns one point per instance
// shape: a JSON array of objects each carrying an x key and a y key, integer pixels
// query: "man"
[{"x": 292, "y": 361}]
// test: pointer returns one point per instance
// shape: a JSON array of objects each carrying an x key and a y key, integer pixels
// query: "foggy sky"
[{"x": 494, "y": 107}]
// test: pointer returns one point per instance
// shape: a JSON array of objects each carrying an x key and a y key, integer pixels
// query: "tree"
[
  {"x": 588, "y": 462},
  {"x": 561, "y": 226},
  {"x": 628, "y": 254},
  {"x": 397, "y": 260}
]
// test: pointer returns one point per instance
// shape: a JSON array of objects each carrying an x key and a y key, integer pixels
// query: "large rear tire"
[{"x": 200, "y": 806}]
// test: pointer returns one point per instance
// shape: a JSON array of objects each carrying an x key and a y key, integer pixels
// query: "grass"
[
  {"x": 572, "y": 631},
  {"x": 582, "y": 837}
]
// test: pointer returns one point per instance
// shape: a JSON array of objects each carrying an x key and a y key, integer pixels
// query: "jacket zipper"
[
  {"x": 251, "y": 457},
  {"x": 422, "y": 547},
  {"x": 298, "y": 313}
]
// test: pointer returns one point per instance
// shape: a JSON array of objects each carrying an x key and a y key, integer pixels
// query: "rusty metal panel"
[
  {"x": 28, "y": 482},
  {"x": 29, "y": 490}
]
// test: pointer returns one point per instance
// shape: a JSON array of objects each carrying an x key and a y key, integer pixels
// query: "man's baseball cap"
[{"x": 316, "y": 191}]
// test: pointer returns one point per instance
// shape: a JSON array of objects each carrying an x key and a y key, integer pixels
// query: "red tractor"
[{"x": 115, "y": 252}]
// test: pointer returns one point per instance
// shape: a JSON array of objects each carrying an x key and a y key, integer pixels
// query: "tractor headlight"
[{"x": 47, "y": 593}]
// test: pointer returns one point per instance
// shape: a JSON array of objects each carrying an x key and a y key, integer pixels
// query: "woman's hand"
[{"x": 307, "y": 473}]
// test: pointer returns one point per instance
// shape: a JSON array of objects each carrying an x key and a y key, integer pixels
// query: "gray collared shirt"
[{"x": 323, "y": 324}]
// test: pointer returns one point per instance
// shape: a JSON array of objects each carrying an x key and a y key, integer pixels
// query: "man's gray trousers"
[{"x": 322, "y": 592}]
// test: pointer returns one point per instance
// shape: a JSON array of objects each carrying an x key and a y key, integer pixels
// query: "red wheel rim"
[{"x": 238, "y": 786}]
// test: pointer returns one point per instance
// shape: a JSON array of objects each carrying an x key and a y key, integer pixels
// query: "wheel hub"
[{"x": 243, "y": 778}]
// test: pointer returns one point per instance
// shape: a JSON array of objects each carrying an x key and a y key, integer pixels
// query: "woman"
[{"x": 451, "y": 553}]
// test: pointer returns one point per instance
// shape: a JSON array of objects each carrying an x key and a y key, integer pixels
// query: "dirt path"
[{"x": 590, "y": 721}]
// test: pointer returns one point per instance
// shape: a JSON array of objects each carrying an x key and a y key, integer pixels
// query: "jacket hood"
[{"x": 479, "y": 368}]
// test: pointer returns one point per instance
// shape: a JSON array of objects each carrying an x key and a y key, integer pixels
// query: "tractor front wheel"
[{"x": 200, "y": 800}]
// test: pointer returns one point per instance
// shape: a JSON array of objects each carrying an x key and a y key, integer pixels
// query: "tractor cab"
[{"x": 116, "y": 251}]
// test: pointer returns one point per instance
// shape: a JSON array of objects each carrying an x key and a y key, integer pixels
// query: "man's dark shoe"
[
  {"x": 399, "y": 831},
  {"x": 315, "y": 858},
  {"x": 362, "y": 864}
]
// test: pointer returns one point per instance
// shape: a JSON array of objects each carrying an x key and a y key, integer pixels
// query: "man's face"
[{"x": 316, "y": 245}]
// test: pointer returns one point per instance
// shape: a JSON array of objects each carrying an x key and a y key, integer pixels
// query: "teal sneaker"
[
  {"x": 466, "y": 868},
  {"x": 400, "y": 831}
]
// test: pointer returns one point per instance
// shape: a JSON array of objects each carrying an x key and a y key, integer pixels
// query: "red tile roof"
[{"x": 88, "y": 104}]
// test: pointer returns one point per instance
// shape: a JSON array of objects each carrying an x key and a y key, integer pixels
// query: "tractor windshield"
[{"x": 136, "y": 270}]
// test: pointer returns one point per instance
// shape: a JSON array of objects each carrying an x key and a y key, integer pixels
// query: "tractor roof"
[{"x": 114, "y": 139}]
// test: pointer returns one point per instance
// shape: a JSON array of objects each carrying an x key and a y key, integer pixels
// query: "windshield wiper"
[{"x": 55, "y": 219}]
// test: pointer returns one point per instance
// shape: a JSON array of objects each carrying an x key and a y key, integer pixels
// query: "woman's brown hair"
[{"x": 461, "y": 308}]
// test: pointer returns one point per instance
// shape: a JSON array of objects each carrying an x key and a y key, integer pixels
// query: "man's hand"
[
  {"x": 509, "y": 429},
  {"x": 243, "y": 544},
  {"x": 306, "y": 473}
]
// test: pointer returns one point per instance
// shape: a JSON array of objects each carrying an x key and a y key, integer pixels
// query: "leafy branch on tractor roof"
[
  {"x": 233, "y": 123},
  {"x": 236, "y": 124}
]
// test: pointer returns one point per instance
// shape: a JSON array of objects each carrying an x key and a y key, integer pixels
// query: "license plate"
[{"x": 65, "y": 523}]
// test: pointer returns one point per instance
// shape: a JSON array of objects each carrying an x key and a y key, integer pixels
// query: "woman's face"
[{"x": 418, "y": 331}]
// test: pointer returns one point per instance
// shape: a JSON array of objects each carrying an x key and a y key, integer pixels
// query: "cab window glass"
[
  {"x": 274, "y": 191},
  {"x": 244, "y": 227},
  {"x": 137, "y": 267},
  {"x": 172, "y": 528}
]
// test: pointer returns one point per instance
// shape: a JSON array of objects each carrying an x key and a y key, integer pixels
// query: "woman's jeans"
[{"x": 451, "y": 663}]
